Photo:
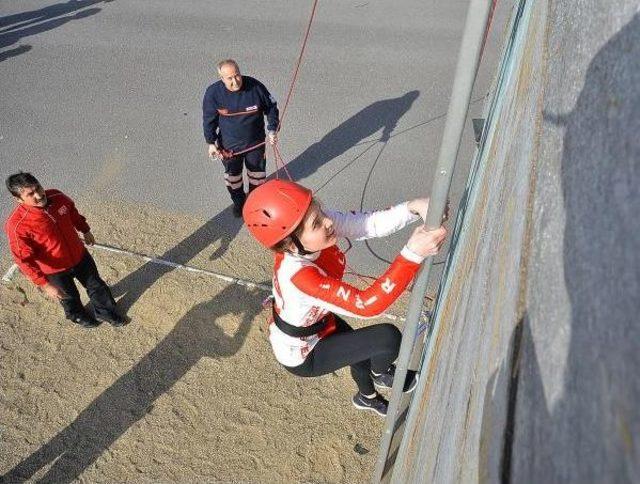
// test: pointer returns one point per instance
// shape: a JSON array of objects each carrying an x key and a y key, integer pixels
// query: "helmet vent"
[{"x": 266, "y": 213}]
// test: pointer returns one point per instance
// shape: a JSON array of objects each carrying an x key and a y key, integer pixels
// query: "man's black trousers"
[{"x": 87, "y": 274}]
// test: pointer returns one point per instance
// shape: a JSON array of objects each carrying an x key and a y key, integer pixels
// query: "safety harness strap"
[
  {"x": 299, "y": 246},
  {"x": 298, "y": 331}
]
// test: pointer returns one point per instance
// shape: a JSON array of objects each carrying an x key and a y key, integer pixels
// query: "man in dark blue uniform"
[{"x": 233, "y": 112}]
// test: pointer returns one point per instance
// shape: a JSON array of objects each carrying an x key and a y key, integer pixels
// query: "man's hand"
[
  {"x": 214, "y": 153},
  {"x": 54, "y": 292},
  {"x": 89, "y": 239},
  {"x": 272, "y": 136}
]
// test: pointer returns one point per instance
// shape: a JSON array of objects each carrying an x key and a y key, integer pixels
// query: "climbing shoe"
[
  {"x": 376, "y": 404},
  {"x": 385, "y": 380}
]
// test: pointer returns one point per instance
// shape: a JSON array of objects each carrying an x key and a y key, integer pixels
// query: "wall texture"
[{"x": 531, "y": 371}]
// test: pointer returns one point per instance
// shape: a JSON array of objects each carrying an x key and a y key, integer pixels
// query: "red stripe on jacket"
[{"x": 368, "y": 302}]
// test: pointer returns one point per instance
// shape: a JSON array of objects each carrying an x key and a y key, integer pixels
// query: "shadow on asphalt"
[
  {"x": 223, "y": 227},
  {"x": 16, "y": 27}
]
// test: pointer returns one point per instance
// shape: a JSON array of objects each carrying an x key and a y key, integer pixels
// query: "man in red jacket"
[{"x": 44, "y": 241}]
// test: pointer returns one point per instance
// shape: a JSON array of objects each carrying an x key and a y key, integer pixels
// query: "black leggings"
[{"x": 371, "y": 348}]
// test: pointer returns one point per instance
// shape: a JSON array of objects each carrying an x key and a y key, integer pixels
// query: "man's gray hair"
[{"x": 228, "y": 62}]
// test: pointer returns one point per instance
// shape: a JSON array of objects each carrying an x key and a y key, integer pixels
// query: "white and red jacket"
[
  {"x": 45, "y": 240},
  {"x": 308, "y": 288}
]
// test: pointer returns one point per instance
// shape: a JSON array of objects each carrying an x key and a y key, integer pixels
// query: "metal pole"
[{"x": 466, "y": 69}]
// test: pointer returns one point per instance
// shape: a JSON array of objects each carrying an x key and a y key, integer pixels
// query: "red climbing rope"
[
  {"x": 278, "y": 158},
  {"x": 276, "y": 151},
  {"x": 277, "y": 155},
  {"x": 298, "y": 63}
]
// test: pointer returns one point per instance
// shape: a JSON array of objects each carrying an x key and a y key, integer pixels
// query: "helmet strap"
[{"x": 299, "y": 246}]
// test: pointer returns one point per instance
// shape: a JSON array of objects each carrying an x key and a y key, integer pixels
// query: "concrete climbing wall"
[
  {"x": 531, "y": 371},
  {"x": 577, "y": 416}
]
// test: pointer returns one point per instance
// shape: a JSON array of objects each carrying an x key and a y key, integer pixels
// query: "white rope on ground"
[
  {"x": 9, "y": 274},
  {"x": 175, "y": 265},
  {"x": 163, "y": 262}
]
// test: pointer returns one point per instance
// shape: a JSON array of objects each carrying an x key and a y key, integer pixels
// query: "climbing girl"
[{"x": 307, "y": 336}]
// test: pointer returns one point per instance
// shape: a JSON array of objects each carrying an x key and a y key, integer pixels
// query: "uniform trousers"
[{"x": 255, "y": 162}]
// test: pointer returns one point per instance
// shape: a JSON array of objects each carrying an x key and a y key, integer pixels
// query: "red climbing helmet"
[{"x": 273, "y": 210}]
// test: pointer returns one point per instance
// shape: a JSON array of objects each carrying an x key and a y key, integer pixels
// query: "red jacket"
[{"x": 45, "y": 240}]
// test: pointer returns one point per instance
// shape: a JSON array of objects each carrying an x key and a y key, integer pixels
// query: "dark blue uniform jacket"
[{"x": 236, "y": 119}]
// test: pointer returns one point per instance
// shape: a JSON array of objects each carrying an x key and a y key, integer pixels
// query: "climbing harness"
[
  {"x": 228, "y": 154},
  {"x": 299, "y": 331}
]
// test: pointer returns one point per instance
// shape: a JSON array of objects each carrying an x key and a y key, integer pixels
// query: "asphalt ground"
[{"x": 102, "y": 99}]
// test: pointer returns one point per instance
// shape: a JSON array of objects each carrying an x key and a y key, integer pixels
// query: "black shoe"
[
  {"x": 113, "y": 318},
  {"x": 385, "y": 380},
  {"x": 237, "y": 210},
  {"x": 85, "y": 321},
  {"x": 376, "y": 404}
]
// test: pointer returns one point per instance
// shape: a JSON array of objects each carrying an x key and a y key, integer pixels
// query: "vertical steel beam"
[{"x": 466, "y": 69}]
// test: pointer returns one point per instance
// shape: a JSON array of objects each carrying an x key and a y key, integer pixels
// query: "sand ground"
[{"x": 188, "y": 391}]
